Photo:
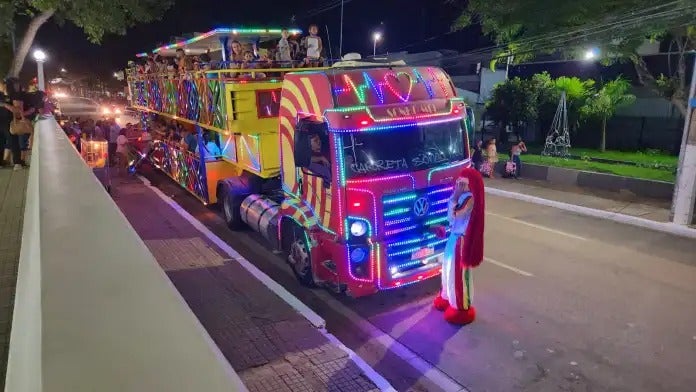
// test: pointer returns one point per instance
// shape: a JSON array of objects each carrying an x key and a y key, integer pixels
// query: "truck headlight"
[{"x": 358, "y": 228}]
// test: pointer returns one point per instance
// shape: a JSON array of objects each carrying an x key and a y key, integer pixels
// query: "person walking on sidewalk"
[
  {"x": 6, "y": 113},
  {"x": 18, "y": 98},
  {"x": 515, "y": 153}
]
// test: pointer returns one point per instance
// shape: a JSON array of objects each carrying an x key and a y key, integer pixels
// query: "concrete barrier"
[
  {"x": 93, "y": 309},
  {"x": 608, "y": 182}
]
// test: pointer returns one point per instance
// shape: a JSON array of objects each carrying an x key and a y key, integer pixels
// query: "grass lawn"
[
  {"x": 619, "y": 170},
  {"x": 644, "y": 158},
  {"x": 638, "y": 156}
]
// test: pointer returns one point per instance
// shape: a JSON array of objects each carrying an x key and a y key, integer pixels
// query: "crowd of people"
[
  {"x": 17, "y": 104},
  {"x": 485, "y": 158},
  {"x": 287, "y": 52}
]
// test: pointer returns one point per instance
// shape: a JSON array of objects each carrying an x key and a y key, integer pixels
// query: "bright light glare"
[
  {"x": 591, "y": 54},
  {"x": 39, "y": 55},
  {"x": 117, "y": 111},
  {"x": 358, "y": 228},
  {"x": 60, "y": 95},
  {"x": 377, "y": 36},
  {"x": 106, "y": 111}
]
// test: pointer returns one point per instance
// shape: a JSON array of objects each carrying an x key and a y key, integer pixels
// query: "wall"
[{"x": 93, "y": 309}]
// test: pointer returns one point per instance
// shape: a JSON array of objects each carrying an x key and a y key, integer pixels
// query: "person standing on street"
[
  {"x": 6, "y": 112},
  {"x": 114, "y": 131}
]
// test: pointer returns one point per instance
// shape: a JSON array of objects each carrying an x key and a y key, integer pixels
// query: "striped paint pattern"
[{"x": 304, "y": 95}]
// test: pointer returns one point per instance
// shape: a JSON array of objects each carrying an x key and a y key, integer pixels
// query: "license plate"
[{"x": 421, "y": 253}]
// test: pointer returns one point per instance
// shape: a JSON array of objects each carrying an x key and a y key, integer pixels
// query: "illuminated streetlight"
[
  {"x": 591, "y": 54},
  {"x": 63, "y": 70},
  {"x": 375, "y": 37},
  {"x": 40, "y": 56}
]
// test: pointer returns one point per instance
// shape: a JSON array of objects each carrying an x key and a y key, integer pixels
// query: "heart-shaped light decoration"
[{"x": 394, "y": 83}]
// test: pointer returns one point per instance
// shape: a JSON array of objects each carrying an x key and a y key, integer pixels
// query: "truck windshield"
[{"x": 407, "y": 149}]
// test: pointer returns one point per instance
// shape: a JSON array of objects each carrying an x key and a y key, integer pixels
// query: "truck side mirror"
[{"x": 302, "y": 150}]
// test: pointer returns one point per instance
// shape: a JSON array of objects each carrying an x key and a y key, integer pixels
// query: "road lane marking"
[
  {"x": 275, "y": 287},
  {"x": 665, "y": 227},
  {"x": 559, "y": 232},
  {"x": 511, "y": 268}
]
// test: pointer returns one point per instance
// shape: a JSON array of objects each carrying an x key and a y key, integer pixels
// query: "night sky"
[{"x": 406, "y": 25}]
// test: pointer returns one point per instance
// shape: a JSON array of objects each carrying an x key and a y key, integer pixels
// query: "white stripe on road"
[
  {"x": 665, "y": 227},
  {"x": 276, "y": 288},
  {"x": 550, "y": 230},
  {"x": 511, "y": 268}
]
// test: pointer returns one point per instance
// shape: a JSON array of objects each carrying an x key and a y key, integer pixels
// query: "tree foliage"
[
  {"x": 524, "y": 29},
  {"x": 95, "y": 17},
  {"x": 604, "y": 103}
]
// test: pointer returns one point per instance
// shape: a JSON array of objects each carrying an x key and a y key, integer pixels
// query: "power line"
[{"x": 643, "y": 15}]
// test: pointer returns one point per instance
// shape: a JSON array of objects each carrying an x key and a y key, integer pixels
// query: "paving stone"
[
  {"x": 12, "y": 196},
  {"x": 271, "y": 346}
]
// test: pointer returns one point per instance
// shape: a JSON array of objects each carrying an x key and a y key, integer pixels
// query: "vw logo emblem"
[{"x": 420, "y": 207}]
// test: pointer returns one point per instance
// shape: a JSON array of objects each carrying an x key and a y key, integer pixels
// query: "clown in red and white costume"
[{"x": 464, "y": 248}]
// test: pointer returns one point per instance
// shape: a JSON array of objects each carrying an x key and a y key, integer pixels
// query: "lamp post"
[
  {"x": 375, "y": 37},
  {"x": 40, "y": 57}
]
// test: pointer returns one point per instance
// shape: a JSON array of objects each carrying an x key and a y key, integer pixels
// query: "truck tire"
[
  {"x": 297, "y": 252},
  {"x": 232, "y": 193}
]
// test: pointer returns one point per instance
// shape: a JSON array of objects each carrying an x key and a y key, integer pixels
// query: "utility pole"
[
  {"x": 340, "y": 35},
  {"x": 685, "y": 186}
]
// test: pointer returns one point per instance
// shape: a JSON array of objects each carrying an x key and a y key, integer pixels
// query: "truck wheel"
[
  {"x": 299, "y": 256},
  {"x": 231, "y": 208}
]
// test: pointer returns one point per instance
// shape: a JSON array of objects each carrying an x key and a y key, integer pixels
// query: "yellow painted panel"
[{"x": 218, "y": 170}]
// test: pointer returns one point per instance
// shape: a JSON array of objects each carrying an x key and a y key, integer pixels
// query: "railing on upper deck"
[{"x": 198, "y": 96}]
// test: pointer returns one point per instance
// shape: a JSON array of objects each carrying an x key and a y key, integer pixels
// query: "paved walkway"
[
  {"x": 624, "y": 203},
  {"x": 13, "y": 185},
  {"x": 270, "y": 345}
]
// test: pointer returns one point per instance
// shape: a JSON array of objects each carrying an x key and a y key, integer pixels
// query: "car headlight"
[{"x": 358, "y": 228}]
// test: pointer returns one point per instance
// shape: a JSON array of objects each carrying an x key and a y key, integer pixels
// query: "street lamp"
[
  {"x": 63, "y": 70},
  {"x": 375, "y": 37},
  {"x": 40, "y": 58}
]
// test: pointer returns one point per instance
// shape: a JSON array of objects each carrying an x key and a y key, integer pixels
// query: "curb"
[{"x": 665, "y": 227}]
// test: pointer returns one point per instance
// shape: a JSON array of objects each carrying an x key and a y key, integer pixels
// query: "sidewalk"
[
  {"x": 271, "y": 346},
  {"x": 622, "y": 203},
  {"x": 13, "y": 185}
]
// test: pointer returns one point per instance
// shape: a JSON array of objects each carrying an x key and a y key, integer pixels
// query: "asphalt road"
[{"x": 564, "y": 302}]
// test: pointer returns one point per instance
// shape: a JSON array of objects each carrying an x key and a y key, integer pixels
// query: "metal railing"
[{"x": 93, "y": 309}]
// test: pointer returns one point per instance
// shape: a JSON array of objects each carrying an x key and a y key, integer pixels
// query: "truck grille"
[{"x": 407, "y": 219}]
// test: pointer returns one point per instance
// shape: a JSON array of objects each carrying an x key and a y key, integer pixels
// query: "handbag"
[{"x": 21, "y": 126}]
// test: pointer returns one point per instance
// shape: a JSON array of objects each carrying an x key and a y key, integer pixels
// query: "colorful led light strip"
[
  {"x": 374, "y": 204},
  {"x": 412, "y": 241},
  {"x": 399, "y": 198},
  {"x": 368, "y": 110},
  {"x": 397, "y": 211},
  {"x": 394, "y": 126},
  {"x": 380, "y": 179},
  {"x": 417, "y": 262},
  {"x": 400, "y": 230},
  {"x": 415, "y": 248},
  {"x": 233, "y": 31},
  {"x": 435, "y": 221}
]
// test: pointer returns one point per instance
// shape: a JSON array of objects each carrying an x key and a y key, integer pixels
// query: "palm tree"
[{"x": 605, "y": 101}]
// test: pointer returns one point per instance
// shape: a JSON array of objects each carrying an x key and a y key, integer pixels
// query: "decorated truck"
[{"x": 345, "y": 169}]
